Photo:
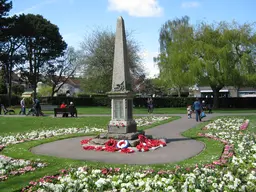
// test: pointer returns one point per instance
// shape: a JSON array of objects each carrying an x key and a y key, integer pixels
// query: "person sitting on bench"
[
  {"x": 72, "y": 107},
  {"x": 62, "y": 106}
]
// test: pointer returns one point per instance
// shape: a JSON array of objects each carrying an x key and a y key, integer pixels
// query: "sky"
[{"x": 78, "y": 18}]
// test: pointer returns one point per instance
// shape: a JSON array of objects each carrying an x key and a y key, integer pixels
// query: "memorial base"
[
  {"x": 132, "y": 138},
  {"x": 122, "y": 127}
]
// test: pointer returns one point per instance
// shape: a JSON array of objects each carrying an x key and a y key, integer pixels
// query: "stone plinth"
[
  {"x": 125, "y": 136},
  {"x": 132, "y": 138},
  {"x": 118, "y": 127}
]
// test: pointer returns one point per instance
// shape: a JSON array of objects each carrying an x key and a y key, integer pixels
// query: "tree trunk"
[
  {"x": 53, "y": 88},
  {"x": 179, "y": 93},
  {"x": 10, "y": 87},
  {"x": 216, "y": 97}
]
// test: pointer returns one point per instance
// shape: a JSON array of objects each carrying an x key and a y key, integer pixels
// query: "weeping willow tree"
[
  {"x": 176, "y": 46},
  {"x": 224, "y": 55},
  {"x": 216, "y": 55}
]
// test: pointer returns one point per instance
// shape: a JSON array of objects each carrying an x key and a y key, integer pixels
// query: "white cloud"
[
  {"x": 137, "y": 8},
  {"x": 151, "y": 68},
  {"x": 191, "y": 4},
  {"x": 36, "y": 6}
]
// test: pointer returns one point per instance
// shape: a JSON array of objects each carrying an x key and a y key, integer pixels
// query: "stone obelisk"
[{"x": 121, "y": 94}]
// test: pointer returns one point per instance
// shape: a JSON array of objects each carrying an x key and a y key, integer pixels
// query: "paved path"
[{"x": 179, "y": 148}]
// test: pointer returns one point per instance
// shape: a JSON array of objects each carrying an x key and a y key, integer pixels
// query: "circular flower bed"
[
  {"x": 235, "y": 171},
  {"x": 12, "y": 167}
]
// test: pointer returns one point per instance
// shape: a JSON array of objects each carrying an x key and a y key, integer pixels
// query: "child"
[{"x": 189, "y": 111}]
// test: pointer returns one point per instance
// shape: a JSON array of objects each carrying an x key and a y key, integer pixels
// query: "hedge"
[
  {"x": 15, "y": 100},
  {"x": 104, "y": 100}
]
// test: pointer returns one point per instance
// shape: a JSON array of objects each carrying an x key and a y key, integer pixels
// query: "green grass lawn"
[
  {"x": 171, "y": 110},
  {"x": 25, "y": 124},
  {"x": 212, "y": 151}
]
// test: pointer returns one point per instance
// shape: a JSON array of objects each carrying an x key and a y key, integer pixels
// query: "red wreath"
[
  {"x": 145, "y": 143},
  {"x": 85, "y": 141},
  {"x": 127, "y": 150},
  {"x": 110, "y": 145}
]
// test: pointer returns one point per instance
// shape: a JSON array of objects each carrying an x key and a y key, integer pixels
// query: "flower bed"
[
  {"x": 11, "y": 167},
  {"x": 42, "y": 134},
  {"x": 236, "y": 173},
  {"x": 230, "y": 123}
]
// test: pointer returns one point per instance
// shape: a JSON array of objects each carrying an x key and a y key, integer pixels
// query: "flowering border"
[
  {"x": 206, "y": 178},
  {"x": 12, "y": 167}
]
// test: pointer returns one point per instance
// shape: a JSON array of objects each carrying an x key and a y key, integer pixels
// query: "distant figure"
[
  {"x": 72, "y": 107},
  {"x": 209, "y": 106},
  {"x": 189, "y": 111},
  {"x": 150, "y": 105},
  {"x": 37, "y": 107},
  {"x": 63, "y": 106},
  {"x": 203, "y": 105},
  {"x": 22, "y": 107},
  {"x": 198, "y": 108}
]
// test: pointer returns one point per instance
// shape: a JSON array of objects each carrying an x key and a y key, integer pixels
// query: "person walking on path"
[
  {"x": 22, "y": 107},
  {"x": 150, "y": 105},
  {"x": 37, "y": 107},
  {"x": 189, "y": 112},
  {"x": 198, "y": 108}
]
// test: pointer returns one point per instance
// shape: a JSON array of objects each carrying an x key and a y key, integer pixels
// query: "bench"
[{"x": 65, "y": 110}]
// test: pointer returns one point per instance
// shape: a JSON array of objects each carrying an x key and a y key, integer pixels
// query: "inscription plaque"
[{"x": 118, "y": 109}]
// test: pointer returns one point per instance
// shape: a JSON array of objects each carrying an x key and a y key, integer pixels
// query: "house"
[
  {"x": 227, "y": 91},
  {"x": 71, "y": 87}
]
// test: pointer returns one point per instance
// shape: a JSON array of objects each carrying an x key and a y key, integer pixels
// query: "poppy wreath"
[
  {"x": 122, "y": 144},
  {"x": 147, "y": 144},
  {"x": 110, "y": 145}
]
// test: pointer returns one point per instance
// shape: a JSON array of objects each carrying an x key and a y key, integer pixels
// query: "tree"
[
  {"x": 225, "y": 55},
  {"x": 5, "y": 7},
  {"x": 45, "y": 91},
  {"x": 2, "y": 85},
  {"x": 61, "y": 69},
  {"x": 12, "y": 40},
  {"x": 176, "y": 42},
  {"x": 43, "y": 43},
  {"x": 98, "y": 57}
]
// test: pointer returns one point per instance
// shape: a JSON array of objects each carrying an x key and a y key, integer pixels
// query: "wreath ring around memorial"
[{"x": 122, "y": 144}]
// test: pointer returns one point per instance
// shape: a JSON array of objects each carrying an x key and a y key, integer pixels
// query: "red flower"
[
  {"x": 127, "y": 150},
  {"x": 89, "y": 147},
  {"x": 104, "y": 171},
  {"x": 99, "y": 148},
  {"x": 85, "y": 141},
  {"x": 111, "y": 143}
]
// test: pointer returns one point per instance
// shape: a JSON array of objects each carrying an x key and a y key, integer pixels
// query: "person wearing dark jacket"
[{"x": 197, "y": 106}]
